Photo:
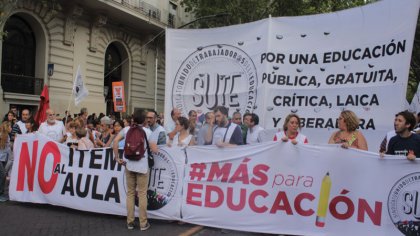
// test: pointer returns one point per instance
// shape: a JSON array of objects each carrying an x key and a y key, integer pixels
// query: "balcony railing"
[
  {"x": 12, "y": 83},
  {"x": 148, "y": 10},
  {"x": 141, "y": 7}
]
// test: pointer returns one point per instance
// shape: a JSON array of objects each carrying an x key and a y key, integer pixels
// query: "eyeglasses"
[{"x": 51, "y": 114}]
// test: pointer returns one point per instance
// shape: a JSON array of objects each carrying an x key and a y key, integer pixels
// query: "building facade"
[{"x": 45, "y": 41}]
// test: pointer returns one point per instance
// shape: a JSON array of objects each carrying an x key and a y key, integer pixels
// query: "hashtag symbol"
[{"x": 197, "y": 171}]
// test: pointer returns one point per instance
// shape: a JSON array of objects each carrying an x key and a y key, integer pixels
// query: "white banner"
[
  {"x": 315, "y": 66},
  {"x": 48, "y": 172},
  {"x": 165, "y": 184},
  {"x": 301, "y": 190},
  {"x": 271, "y": 188}
]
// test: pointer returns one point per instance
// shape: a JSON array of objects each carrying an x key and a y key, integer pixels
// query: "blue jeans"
[{"x": 3, "y": 175}]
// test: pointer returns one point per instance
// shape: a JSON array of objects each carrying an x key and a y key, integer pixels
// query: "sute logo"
[
  {"x": 404, "y": 204},
  {"x": 411, "y": 203},
  {"x": 28, "y": 164},
  {"x": 211, "y": 91},
  {"x": 216, "y": 75}
]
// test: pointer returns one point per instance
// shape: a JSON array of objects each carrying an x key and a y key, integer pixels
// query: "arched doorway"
[
  {"x": 113, "y": 73},
  {"x": 18, "y": 57}
]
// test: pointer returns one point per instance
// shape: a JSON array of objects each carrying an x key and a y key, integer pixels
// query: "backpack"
[{"x": 134, "y": 143}]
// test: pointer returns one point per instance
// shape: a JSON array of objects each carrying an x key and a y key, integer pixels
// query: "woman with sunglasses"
[{"x": 348, "y": 135}]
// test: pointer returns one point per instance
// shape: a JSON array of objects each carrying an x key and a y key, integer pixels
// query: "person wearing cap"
[{"x": 106, "y": 136}]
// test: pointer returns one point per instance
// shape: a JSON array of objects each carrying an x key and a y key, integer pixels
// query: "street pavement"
[{"x": 18, "y": 218}]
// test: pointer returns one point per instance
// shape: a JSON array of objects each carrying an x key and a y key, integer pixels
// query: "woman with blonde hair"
[
  {"x": 5, "y": 157},
  {"x": 72, "y": 140},
  {"x": 290, "y": 131},
  {"x": 348, "y": 135}
]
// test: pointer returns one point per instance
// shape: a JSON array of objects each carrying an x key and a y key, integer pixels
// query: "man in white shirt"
[
  {"x": 52, "y": 128},
  {"x": 251, "y": 120},
  {"x": 136, "y": 173},
  {"x": 19, "y": 127}
]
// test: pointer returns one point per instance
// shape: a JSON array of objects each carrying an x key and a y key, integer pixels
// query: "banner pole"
[
  {"x": 156, "y": 77},
  {"x": 71, "y": 96}
]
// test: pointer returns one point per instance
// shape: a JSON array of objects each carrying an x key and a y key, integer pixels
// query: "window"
[{"x": 18, "y": 58}]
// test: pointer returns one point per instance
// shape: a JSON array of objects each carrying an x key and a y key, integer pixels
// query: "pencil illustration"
[{"x": 324, "y": 196}]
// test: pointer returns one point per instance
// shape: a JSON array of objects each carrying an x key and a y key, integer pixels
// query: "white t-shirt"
[
  {"x": 223, "y": 134},
  {"x": 55, "y": 132},
  {"x": 155, "y": 134},
  {"x": 142, "y": 165},
  {"x": 300, "y": 138},
  {"x": 252, "y": 134}
]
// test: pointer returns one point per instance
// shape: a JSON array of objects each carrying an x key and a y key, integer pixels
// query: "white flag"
[
  {"x": 415, "y": 103},
  {"x": 407, "y": 105},
  {"x": 79, "y": 89}
]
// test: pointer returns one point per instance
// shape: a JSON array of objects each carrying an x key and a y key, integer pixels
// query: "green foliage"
[
  {"x": 244, "y": 11},
  {"x": 414, "y": 76}
]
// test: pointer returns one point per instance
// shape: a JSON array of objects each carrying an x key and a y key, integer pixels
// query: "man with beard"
[
  {"x": 158, "y": 135},
  {"x": 225, "y": 133},
  {"x": 251, "y": 120},
  {"x": 52, "y": 128},
  {"x": 405, "y": 143}
]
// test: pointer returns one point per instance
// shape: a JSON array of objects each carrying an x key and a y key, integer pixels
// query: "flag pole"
[{"x": 71, "y": 96}]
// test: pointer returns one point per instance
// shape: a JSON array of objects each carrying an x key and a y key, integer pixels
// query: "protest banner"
[
  {"x": 90, "y": 180},
  {"x": 273, "y": 187},
  {"x": 314, "y": 66},
  {"x": 282, "y": 188}
]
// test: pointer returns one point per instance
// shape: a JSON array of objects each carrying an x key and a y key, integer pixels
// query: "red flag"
[{"x": 44, "y": 105}]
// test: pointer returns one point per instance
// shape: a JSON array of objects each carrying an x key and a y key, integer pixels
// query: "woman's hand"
[
  {"x": 345, "y": 145},
  {"x": 382, "y": 154},
  {"x": 411, "y": 156}
]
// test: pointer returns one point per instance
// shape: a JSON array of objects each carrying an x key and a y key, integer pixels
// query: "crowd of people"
[{"x": 84, "y": 132}]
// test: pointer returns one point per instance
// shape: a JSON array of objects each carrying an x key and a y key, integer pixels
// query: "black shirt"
[{"x": 400, "y": 146}]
